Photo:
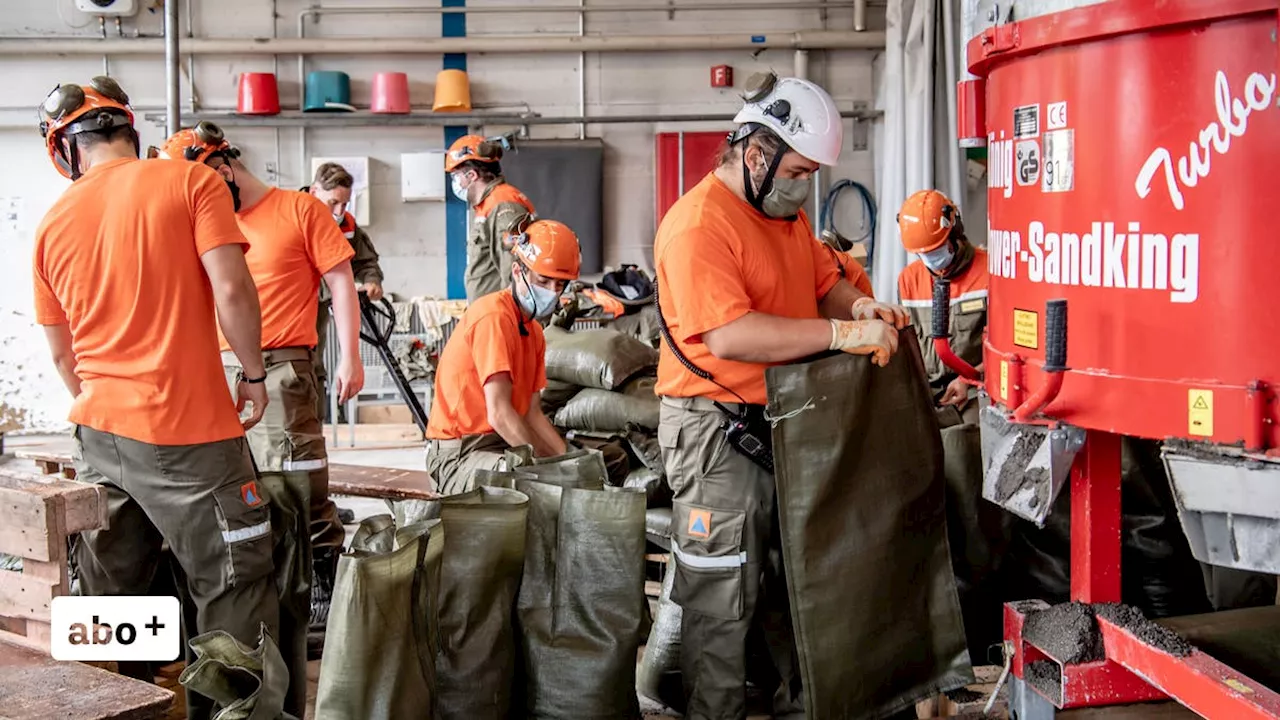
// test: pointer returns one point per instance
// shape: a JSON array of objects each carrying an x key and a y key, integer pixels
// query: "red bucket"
[
  {"x": 258, "y": 94},
  {"x": 390, "y": 93}
]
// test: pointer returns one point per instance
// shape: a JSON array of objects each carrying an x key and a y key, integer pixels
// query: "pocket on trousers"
[
  {"x": 709, "y": 560},
  {"x": 244, "y": 518}
]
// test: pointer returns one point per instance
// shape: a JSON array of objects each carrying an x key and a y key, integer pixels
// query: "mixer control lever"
[
  {"x": 1055, "y": 336},
  {"x": 941, "y": 309}
]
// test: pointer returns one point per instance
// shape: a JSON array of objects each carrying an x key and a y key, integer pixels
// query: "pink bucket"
[{"x": 390, "y": 93}]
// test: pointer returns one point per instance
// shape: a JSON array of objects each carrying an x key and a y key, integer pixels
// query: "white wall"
[{"x": 410, "y": 237}]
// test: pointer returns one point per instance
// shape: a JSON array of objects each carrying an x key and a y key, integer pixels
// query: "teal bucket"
[{"x": 328, "y": 90}]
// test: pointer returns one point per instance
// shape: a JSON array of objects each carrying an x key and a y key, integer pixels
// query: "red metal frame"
[{"x": 1095, "y": 520}]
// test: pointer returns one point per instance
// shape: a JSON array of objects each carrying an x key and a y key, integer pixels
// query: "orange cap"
[
  {"x": 550, "y": 249},
  {"x": 471, "y": 147},
  {"x": 925, "y": 221},
  {"x": 67, "y": 110},
  {"x": 195, "y": 144}
]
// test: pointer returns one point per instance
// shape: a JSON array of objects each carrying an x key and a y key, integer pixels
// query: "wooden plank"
[
  {"x": 10, "y": 638},
  {"x": 25, "y": 530},
  {"x": 379, "y": 482},
  {"x": 37, "y": 687},
  {"x": 26, "y": 596},
  {"x": 54, "y": 572},
  {"x": 84, "y": 504}
]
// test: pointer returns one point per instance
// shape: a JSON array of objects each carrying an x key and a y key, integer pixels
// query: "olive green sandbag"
[
  {"x": 381, "y": 641},
  {"x": 582, "y": 610},
  {"x": 600, "y": 358},
  {"x": 861, "y": 503},
  {"x": 246, "y": 684},
  {"x": 484, "y": 549},
  {"x": 579, "y": 467},
  {"x": 596, "y": 410}
]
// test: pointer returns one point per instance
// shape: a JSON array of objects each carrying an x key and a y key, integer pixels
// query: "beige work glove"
[
  {"x": 865, "y": 337},
  {"x": 866, "y": 308}
]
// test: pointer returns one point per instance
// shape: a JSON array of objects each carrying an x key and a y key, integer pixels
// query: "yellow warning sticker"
[
  {"x": 1200, "y": 412},
  {"x": 1026, "y": 329},
  {"x": 969, "y": 306},
  {"x": 1004, "y": 380}
]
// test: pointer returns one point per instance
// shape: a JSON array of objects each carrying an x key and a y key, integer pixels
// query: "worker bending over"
[
  {"x": 131, "y": 263},
  {"x": 930, "y": 227},
  {"x": 497, "y": 210},
  {"x": 332, "y": 186},
  {"x": 492, "y": 371},
  {"x": 742, "y": 285}
]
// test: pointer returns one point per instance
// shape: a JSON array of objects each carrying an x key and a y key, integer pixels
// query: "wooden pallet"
[{"x": 40, "y": 513}]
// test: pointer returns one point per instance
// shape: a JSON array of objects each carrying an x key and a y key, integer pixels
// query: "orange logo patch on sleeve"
[
  {"x": 249, "y": 493},
  {"x": 700, "y": 523}
]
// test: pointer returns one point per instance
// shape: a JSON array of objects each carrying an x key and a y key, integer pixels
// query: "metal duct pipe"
[
  {"x": 860, "y": 15},
  {"x": 172, "y": 107},
  {"x": 470, "y": 119},
  {"x": 803, "y": 40},
  {"x": 569, "y": 9},
  {"x": 955, "y": 174}
]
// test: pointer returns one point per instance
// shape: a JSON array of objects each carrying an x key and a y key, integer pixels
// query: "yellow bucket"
[{"x": 453, "y": 92}]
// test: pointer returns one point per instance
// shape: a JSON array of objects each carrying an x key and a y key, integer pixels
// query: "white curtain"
[{"x": 915, "y": 148}]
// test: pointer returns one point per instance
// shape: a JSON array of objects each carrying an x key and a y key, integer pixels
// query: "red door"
[{"x": 682, "y": 159}]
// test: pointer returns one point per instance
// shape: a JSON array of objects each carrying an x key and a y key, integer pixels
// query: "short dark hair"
[
  {"x": 486, "y": 171},
  {"x": 763, "y": 136},
  {"x": 87, "y": 140},
  {"x": 332, "y": 175}
]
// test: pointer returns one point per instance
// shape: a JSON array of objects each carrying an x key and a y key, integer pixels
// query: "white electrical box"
[
  {"x": 422, "y": 176},
  {"x": 108, "y": 7},
  {"x": 359, "y": 169}
]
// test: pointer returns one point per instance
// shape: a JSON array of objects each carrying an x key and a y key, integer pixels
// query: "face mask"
[
  {"x": 459, "y": 191},
  {"x": 938, "y": 260},
  {"x": 235, "y": 194},
  {"x": 535, "y": 300},
  {"x": 780, "y": 197}
]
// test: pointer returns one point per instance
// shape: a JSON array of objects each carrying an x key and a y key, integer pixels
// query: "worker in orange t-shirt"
[
  {"x": 931, "y": 228},
  {"x": 850, "y": 267},
  {"x": 293, "y": 244},
  {"x": 492, "y": 371},
  {"x": 743, "y": 285},
  {"x": 497, "y": 210},
  {"x": 130, "y": 265}
]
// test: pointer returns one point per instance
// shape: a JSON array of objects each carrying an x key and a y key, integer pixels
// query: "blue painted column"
[{"x": 455, "y": 211}]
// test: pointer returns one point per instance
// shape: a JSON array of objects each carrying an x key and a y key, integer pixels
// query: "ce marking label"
[{"x": 1056, "y": 115}]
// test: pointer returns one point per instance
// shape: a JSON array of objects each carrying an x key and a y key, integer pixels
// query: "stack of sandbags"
[{"x": 600, "y": 391}]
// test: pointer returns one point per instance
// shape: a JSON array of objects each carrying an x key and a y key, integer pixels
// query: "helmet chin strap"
[{"x": 757, "y": 199}]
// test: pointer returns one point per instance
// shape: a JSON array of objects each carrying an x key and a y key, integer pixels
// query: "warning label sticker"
[
  {"x": 1026, "y": 329},
  {"x": 1027, "y": 162},
  {"x": 1200, "y": 413},
  {"x": 1059, "y": 159},
  {"x": 1026, "y": 121}
]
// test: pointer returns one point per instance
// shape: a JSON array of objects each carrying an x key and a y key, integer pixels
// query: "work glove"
[
  {"x": 866, "y": 308},
  {"x": 865, "y": 337}
]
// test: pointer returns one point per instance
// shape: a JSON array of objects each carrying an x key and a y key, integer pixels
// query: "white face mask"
[
  {"x": 459, "y": 191},
  {"x": 938, "y": 260}
]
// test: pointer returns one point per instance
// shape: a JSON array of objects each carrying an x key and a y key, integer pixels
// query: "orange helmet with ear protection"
[
  {"x": 471, "y": 147},
  {"x": 926, "y": 221},
  {"x": 72, "y": 109},
  {"x": 550, "y": 249},
  {"x": 197, "y": 144}
]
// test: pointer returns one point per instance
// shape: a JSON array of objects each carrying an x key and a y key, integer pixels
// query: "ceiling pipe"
[
  {"x": 803, "y": 40},
  {"x": 471, "y": 119},
  {"x": 172, "y": 107},
  {"x": 574, "y": 9}
]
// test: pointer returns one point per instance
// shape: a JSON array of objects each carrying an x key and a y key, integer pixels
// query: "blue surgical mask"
[
  {"x": 938, "y": 260},
  {"x": 535, "y": 300},
  {"x": 459, "y": 191}
]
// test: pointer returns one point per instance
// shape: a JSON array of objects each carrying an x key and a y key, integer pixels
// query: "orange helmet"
[
  {"x": 926, "y": 221},
  {"x": 550, "y": 249},
  {"x": 71, "y": 109},
  {"x": 471, "y": 147},
  {"x": 197, "y": 144}
]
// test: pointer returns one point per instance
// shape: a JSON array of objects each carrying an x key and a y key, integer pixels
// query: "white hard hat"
[{"x": 799, "y": 112}]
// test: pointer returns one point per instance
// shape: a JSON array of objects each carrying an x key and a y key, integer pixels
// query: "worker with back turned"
[
  {"x": 131, "y": 264},
  {"x": 931, "y": 228},
  {"x": 332, "y": 186},
  {"x": 293, "y": 244},
  {"x": 475, "y": 174},
  {"x": 491, "y": 373},
  {"x": 743, "y": 285}
]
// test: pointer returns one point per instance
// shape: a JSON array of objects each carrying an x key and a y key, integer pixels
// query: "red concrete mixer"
[{"x": 1133, "y": 283}]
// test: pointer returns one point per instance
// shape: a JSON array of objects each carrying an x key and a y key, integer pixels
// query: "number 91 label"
[{"x": 1058, "y": 171}]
